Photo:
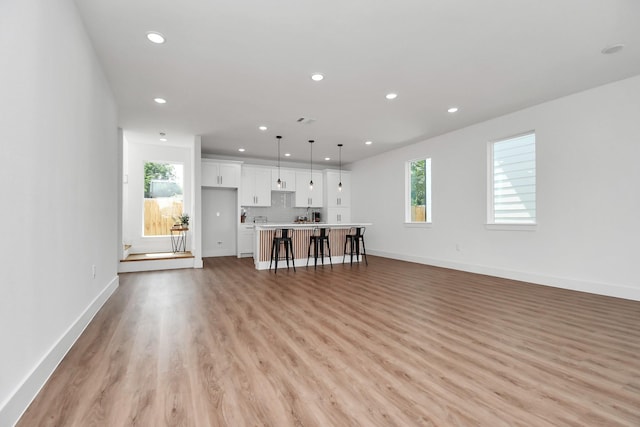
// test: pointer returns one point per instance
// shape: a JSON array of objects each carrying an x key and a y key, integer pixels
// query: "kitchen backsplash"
[{"x": 282, "y": 209}]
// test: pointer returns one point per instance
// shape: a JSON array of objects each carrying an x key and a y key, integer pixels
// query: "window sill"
[
  {"x": 511, "y": 227},
  {"x": 418, "y": 224}
]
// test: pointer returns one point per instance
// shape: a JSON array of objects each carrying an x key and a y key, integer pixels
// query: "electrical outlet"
[
  {"x": 93, "y": 271},
  {"x": 457, "y": 247}
]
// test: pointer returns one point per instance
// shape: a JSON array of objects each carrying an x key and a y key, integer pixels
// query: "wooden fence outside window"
[
  {"x": 160, "y": 214},
  {"x": 418, "y": 214}
]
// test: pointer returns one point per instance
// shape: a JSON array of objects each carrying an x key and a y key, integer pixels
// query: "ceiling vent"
[{"x": 305, "y": 120}]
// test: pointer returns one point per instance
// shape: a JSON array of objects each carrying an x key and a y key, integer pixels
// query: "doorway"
[{"x": 219, "y": 221}]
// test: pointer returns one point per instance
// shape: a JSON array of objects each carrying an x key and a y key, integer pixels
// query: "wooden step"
[{"x": 155, "y": 256}]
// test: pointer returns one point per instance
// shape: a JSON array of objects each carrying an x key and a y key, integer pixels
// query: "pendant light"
[
  {"x": 311, "y": 167},
  {"x": 279, "y": 181},
  {"x": 340, "y": 183}
]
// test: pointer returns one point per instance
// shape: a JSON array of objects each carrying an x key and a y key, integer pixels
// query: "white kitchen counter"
[{"x": 270, "y": 226}]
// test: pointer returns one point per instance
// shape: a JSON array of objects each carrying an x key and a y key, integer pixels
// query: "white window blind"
[{"x": 513, "y": 192}]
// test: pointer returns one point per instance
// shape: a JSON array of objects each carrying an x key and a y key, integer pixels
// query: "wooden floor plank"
[{"x": 389, "y": 344}]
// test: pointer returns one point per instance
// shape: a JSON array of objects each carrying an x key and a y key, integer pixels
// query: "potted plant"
[
  {"x": 184, "y": 220},
  {"x": 181, "y": 221}
]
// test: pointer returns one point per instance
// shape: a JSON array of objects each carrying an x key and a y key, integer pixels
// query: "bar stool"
[
  {"x": 355, "y": 236},
  {"x": 281, "y": 237},
  {"x": 318, "y": 239}
]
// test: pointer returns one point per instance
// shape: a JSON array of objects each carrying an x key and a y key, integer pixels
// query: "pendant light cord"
[
  {"x": 311, "y": 165},
  {"x": 340, "y": 160},
  {"x": 279, "y": 138},
  {"x": 279, "y": 182}
]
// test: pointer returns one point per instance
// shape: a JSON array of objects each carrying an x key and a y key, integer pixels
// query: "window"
[
  {"x": 418, "y": 191},
  {"x": 512, "y": 183},
  {"x": 163, "y": 197}
]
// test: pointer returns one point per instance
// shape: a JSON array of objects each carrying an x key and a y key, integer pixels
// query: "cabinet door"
[
  {"x": 335, "y": 197},
  {"x": 315, "y": 195},
  {"x": 216, "y": 174},
  {"x": 262, "y": 187},
  {"x": 229, "y": 175},
  {"x": 245, "y": 239},
  {"x": 306, "y": 197},
  {"x": 302, "y": 189},
  {"x": 209, "y": 174},
  {"x": 287, "y": 180},
  {"x": 256, "y": 186},
  {"x": 338, "y": 215},
  {"x": 247, "y": 187}
]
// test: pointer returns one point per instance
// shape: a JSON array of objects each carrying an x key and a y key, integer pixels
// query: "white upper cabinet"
[
  {"x": 256, "y": 186},
  {"x": 220, "y": 174},
  {"x": 304, "y": 196},
  {"x": 335, "y": 198},
  {"x": 287, "y": 180}
]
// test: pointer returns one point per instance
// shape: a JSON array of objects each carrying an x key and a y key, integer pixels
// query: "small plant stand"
[{"x": 179, "y": 239}]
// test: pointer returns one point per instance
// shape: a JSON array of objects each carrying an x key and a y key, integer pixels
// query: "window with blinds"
[{"x": 513, "y": 180}]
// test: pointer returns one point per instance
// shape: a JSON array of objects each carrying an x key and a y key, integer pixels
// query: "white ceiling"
[{"x": 229, "y": 66}]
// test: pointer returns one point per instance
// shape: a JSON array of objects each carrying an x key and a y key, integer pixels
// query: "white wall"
[
  {"x": 59, "y": 192},
  {"x": 138, "y": 155},
  {"x": 588, "y": 187}
]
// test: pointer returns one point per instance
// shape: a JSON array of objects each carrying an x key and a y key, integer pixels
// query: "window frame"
[
  {"x": 428, "y": 193},
  {"x": 491, "y": 224}
]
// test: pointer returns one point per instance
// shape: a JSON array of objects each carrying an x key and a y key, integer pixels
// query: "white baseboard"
[
  {"x": 245, "y": 255},
  {"x": 216, "y": 253},
  {"x": 20, "y": 400},
  {"x": 539, "y": 279}
]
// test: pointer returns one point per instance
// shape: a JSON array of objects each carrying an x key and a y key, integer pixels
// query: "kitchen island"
[{"x": 301, "y": 234}]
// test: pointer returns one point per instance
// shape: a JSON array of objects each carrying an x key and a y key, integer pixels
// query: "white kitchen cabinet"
[
  {"x": 287, "y": 180},
  {"x": 220, "y": 174},
  {"x": 335, "y": 198},
  {"x": 337, "y": 215},
  {"x": 337, "y": 202},
  {"x": 246, "y": 237},
  {"x": 304, "y": 196},
  {"x": 255, "y": 186}
]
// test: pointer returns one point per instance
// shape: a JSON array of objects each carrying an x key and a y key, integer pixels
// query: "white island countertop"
[{"x": 269, "y": 225}]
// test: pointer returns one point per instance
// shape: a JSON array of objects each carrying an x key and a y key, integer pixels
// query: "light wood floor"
[{"x": 391, "y": 344}]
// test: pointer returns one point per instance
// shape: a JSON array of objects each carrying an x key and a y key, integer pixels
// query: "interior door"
[{"x": 219, "y": 221}]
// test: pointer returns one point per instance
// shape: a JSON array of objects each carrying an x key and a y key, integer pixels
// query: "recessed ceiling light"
[
  {"x": 452, "y": 109},
  {"x": 263, "y": 128},
  {"x": 317, "y": 77},
  {"x": 287, "y": 154},
  {"x": 163, "y": 139},
  {"x": 391, "y": 95},
  {"x": 241, "y": 150},
  {"x": 155, "y": 37},
  {"x": 327, "y": 158},
  {"x": 614, "y": 48},
  {"x": 160, "y": 100},
  {"x": 368, "y": 142}
]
